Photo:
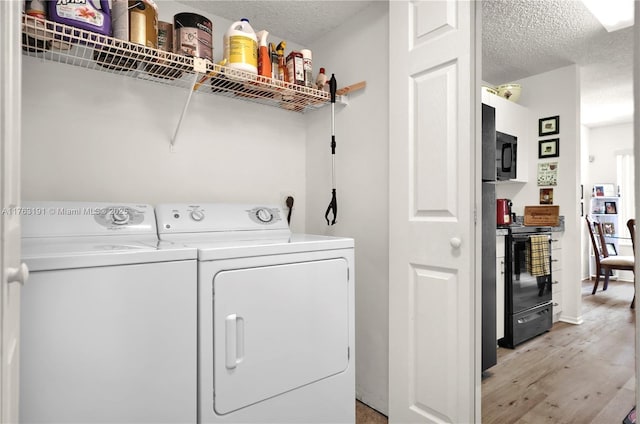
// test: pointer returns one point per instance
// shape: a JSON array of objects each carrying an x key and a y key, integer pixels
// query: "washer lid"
[
  {"x": 296, "y": 243},
  {"x": 66, "y": 253}
]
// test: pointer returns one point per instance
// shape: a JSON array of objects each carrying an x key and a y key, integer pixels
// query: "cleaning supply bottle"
[
  {"x": 274, "y": 60},
  {"x": 241, "y": 47},
  {"x": 282, "y": 67},
  {"x": 89, "y": 15},
  {"x": 321, "y": 80},
  {"x": 264, "y": 58},
  {"x": 308, "y": 67}
]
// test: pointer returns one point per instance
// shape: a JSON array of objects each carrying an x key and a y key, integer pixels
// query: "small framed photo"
[
  {"x": 611, "y": 249},
  {"x": 597, "y": 206},
  {"x": 549, "y": 126},
  {"x": 546, "y": 196},
  {"x": 606, "y": 190},
  {"x": 608, "y": 228},
  {"x": 610, "y": 208},
  {"x": 549, "y": 148}
]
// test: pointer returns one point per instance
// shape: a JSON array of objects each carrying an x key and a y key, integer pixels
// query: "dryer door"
[{"x": 277, "y": 328}]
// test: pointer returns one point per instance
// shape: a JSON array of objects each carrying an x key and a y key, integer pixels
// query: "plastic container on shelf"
[
  {"x": 89, "y": 15},
  {"x": 241, "y": 47}
]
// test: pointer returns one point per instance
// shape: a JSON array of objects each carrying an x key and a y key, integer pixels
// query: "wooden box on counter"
[{"x": 542, "y": 216}]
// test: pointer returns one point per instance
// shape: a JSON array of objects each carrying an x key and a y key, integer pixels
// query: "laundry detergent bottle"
[
  {"x": 90, "y": 15},
  {"x": 241, "y": 47}
]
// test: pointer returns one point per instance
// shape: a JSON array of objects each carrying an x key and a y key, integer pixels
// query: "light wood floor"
[
  {"x": 572, "y": 374},
  {"x": 366, "y": 415}
]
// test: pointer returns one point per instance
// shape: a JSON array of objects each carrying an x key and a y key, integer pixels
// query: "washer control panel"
[
  {"x": 118, "y": 216},
  {"x": 63, "y": 218},
  {"x": 263, "y": 215},
  {"x": 218, "y": 217}
]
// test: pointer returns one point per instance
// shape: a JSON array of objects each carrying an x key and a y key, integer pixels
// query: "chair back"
[
  {"x": 631, "y": 225},
  {"x": 595, "y": 229}
]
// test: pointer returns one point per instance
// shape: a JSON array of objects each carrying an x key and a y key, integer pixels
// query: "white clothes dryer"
[
  {"x": 276, "y": 315},
  {"x": 108, "y": 317}
]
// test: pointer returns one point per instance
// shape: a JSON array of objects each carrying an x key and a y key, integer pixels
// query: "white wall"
[
  {"x": 358, "y": 51},
  {"x": 549, "y": 94},
  {"x": 603, "y": 144},
  {"x": 584, "y": 164}
]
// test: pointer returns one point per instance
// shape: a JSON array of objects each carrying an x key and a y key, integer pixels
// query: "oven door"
[{"x": 527, "y": 291}]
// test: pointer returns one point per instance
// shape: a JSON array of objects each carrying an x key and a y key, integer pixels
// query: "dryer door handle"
[{"x": 234, "y": 340}]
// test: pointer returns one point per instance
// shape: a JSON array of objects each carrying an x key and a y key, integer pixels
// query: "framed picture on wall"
[
  {"x": 610, "y": 208},
  {"x": 549, "y": 148},
  {"x": 546, "y": 196},
  {"x": 549, "y": 126}
]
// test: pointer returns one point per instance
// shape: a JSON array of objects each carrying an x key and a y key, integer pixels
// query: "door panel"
[
  {"x": 277, "y": 328},
  {"x": 434, "y": 124}
]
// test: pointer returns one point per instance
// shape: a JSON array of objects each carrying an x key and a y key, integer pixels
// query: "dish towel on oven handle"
[{"x": 538, "y": 256}]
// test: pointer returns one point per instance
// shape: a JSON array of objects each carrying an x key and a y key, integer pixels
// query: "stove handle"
[{"x": 234, "y": 340}]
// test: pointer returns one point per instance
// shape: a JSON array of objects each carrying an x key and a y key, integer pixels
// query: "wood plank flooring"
[
  {"x": 572, "y": 374},
  {"x": 367, "y": 415}
]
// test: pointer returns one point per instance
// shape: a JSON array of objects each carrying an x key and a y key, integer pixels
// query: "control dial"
[
  {"x": 120, "y": 217},
  {"x": 197, "y": 215},
  {"x": 264, "y": 215}
]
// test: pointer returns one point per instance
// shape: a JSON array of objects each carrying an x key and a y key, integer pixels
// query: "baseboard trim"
[{"x": 571, "y": 320}]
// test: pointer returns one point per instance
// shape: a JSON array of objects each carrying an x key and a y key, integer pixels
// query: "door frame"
[{"x": 11, "y": 272}]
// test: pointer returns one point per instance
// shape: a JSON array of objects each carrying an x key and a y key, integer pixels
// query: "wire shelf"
[{"x": 61, "y": 43}]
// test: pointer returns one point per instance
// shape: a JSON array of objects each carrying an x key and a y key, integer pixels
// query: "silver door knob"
[
  {"x": 455, "y": 242},
  {"x": 18, "y": 275}
]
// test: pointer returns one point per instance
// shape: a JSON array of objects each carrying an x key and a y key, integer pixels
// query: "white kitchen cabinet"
[
  {"x": 556, "y": 274},
  {"x": 500, "y": 273},
  {"x": 513, "y": 119}
]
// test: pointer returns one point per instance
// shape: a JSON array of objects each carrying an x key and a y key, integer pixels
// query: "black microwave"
[{"x": 506, "y": 156}]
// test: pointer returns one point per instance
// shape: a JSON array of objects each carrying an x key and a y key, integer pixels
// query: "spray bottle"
[
  {"x": 274, "y": 60},
  {"x": 282, "y": 67},
  {"x": 264, "y": 58}
]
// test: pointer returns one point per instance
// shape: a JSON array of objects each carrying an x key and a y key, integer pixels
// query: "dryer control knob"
[
  {"x": 120, "y": 217},
  {"x": 264, "y": 215},
  {"x": 197, "y": 215}
]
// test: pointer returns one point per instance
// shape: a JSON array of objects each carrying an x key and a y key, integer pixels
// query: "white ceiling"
[
  {"x": 520, "y": 38},
  {"x": 302, "y": 21}
]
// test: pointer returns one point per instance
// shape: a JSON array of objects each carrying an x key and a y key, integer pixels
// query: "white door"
[
  {"x": 10, "y": 268},
  {"x": 433, "y": 313},
  {"x": 278, "y": 328}
]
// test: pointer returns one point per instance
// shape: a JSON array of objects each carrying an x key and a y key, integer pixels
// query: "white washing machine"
[
  {"x": 108, "y": 317},
  {"x": 276, "y": 315}
]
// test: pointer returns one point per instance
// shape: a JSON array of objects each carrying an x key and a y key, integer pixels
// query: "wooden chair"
[
  {"x": 631, "y": 225},
  {"x": 604, "y": 262}
]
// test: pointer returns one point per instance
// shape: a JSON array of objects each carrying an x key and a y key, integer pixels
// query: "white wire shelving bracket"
[{"x": 60, "y": 43}]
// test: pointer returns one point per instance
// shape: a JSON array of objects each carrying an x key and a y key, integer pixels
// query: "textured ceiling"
[
  {"x": 302, "y": 21},
  {"x": 521, "y": 38}
]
